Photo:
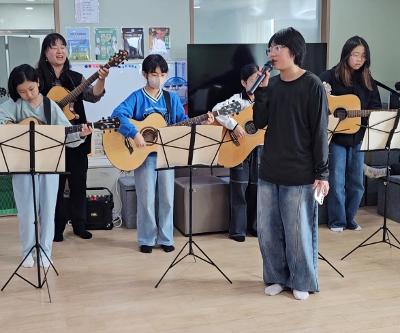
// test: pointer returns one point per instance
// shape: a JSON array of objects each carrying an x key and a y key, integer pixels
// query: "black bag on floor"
[{"x": 99, "y": 209}]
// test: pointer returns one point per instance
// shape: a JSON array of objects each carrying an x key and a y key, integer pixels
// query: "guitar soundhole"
[
  {"x": 150, "y": 135},
  {"x": 250, "y": 128},
  {"x": 340, "y": 113}
]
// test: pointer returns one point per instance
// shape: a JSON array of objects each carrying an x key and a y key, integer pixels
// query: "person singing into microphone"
[
  {"x": 244, "y": 177},
  {"x": 294, "y": 165}
]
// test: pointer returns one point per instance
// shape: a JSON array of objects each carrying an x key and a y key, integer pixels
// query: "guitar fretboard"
[
  {"x": 77, "y": 128},
  {"x": 365, "y": 113},
  {"x": 196, "y": 120},
  {"x": 73, "y": 95}
]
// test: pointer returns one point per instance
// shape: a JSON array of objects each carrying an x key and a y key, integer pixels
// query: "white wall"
[
  {"x": 138, "y": 14},
  {"x": 15, "y": 16},
  {"x": 378, "y": 23}
]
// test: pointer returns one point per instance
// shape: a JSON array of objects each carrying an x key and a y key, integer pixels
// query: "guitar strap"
[
  {"x": 167, "y": 98},
  {"x": 47, "y": 109}
]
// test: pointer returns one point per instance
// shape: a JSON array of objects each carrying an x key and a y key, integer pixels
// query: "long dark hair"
[
  {"x": 344, "y": 72},
  {"x": 46, "y": 71},
  {"x": 19, "y": 75}
]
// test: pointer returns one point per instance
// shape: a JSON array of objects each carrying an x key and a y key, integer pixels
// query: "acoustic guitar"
[
  {"x": 347, "y": 108},
  {"x": 123, "y": 153},
  {"x": 64, "y": 98},
  {"x": 234, "y": 150},
  {"x": 103, "y": 124}
]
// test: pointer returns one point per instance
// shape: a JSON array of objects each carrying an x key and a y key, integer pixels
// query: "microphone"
[{"x": 266, "y": 68}]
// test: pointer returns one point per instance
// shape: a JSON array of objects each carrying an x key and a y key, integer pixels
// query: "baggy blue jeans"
[
  {"x": 287, "y": 227},
  {"x": 147, "y": 182}
]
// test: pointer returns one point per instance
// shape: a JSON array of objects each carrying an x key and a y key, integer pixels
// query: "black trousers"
[
  {"x": 75, "y": 208},
  {"x": 395, "y": 169},
  {"x": 243, "y": 195}
]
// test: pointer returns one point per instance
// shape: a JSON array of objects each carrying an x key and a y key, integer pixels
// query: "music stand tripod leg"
[{"x": 321, "y": 257}]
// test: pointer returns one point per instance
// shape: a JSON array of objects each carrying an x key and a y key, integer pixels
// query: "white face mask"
[{"x": 155, "y": 82}]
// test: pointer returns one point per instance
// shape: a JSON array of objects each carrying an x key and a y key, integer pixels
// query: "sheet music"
[
  {"x": 378, "y": 130},
  {"x": 176, "y": 142},
  {"x": 14, "y": 151},
  {"x": 206, "y": 145},
  {"x": 332, "y": 125}
]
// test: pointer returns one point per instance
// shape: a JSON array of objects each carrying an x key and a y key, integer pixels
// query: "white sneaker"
[
  {"x": 28, "y": 262},
  {"x": 371, "y": 172},
  {"x": 44, "y": 262},
  {"x": 337, "y": 229},
  {"x": 273, "y": 289},
  {"x": 300, "y": 295}
]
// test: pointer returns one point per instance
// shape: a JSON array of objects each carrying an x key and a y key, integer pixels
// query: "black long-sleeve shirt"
[
  {"x": 369, "y": 100},
  {"x": 296, "y": 141}
]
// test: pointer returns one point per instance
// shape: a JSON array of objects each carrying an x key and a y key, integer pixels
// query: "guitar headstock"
[
  {"x": 233, "y": 107},
  {"x": 118, "y": 58},
  {"x": 328, "y": 88},
  {"x": 3, "y": 92},
  {"x": 107, "y": 123}
]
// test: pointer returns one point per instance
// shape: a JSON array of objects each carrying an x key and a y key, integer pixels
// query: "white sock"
[
  {"x": 300, "y": 295},
  {"x": 336, "y": 229},
  {"x": 273, "y": 289},
  {"x": 28, "y": 262}
]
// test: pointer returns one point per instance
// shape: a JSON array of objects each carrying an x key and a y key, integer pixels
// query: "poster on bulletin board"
[
  {"x": 159, "y": 41},
  {"x": 133, "y": 42},
  {"x": 105, "y": 43},
  {"x": 78, "y": 43}
]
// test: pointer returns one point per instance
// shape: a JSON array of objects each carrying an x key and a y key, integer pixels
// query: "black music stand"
[
  {"x": 382, "y": 133},
  {"x": 189, "y": 147},
  {"x": 31, "y": 150}
]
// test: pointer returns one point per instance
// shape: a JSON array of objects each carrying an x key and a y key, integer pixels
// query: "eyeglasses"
[
  {"x": 358, "y": 55},
  {"x": 276, "y": 48}
]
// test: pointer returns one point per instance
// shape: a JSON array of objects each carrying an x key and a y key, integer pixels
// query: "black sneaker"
[
  {"x": 84, "y": 234},
  {"x": 237, "y": 238},
  {"x": 58, "y": 238},
  {"x": 168, "y": 248},
  {"x": 146, "y": 248}
]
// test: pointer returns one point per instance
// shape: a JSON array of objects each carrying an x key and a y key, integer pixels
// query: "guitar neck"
[
  {"x": 77, "y": 128},
  {"x": 365, "y": 113},
  {"x": 73, "y": 95},
  {"x": 196, "y": 120}
]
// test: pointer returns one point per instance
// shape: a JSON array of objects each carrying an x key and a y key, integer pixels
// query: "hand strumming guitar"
[
  {"x": 139, "y": 140},
  {"x": 239, "y": 131}
]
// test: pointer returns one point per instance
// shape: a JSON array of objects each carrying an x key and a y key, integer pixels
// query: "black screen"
[{"x": 214, "y": 70}]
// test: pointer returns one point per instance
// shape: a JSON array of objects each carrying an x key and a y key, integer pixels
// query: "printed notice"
[{"x": 87, "y": 11}]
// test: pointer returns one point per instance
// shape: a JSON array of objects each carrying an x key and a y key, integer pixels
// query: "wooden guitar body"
[
  {"x": 123, "y": 153},
  {"x": 234, "y": 151},
  {"x": 338, "y": 106},
  {"x": 56, "y": 94}
]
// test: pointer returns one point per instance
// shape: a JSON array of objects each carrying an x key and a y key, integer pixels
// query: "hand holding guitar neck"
[{"x": 264, "y": 76}]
